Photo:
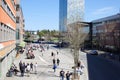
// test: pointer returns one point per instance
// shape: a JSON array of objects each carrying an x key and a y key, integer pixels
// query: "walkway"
[{"x": 45, "y": 71}]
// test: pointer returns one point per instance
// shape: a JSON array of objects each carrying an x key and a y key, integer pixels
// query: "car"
[{"x": 93, "y": 52}]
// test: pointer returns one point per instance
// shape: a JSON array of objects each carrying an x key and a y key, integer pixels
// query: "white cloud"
[{"x": 104, "y": 10}]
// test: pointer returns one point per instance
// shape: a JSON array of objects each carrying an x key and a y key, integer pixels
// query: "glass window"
[
  {"x": 17, "y": 19},
  {"x": 17, "y": 7}
]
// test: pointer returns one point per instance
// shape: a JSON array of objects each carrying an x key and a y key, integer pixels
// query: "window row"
[
  {"x": 7, "y": 9},
  {"x": 13, "y": 3},
  {"x": 6, "y": 33},
  {"x": 17, "y": 34}
]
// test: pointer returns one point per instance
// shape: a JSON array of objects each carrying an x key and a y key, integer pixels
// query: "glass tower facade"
[
  {"x": 70, "y": 11},
  {"x": 62, "y": 15}
]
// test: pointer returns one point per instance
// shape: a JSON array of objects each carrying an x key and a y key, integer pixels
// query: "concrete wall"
[{"x": 6, "y": 63}]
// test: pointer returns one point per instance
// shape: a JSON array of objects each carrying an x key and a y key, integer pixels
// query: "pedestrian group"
[{"x": 27, "y": 68}]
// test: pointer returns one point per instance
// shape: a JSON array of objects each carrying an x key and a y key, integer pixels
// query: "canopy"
[{"x": 22, "y": 44}]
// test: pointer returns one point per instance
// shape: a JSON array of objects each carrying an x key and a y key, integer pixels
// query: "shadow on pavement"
[
  {"x": 45, "y": 66},
  {"x": 46, "y": 74}
]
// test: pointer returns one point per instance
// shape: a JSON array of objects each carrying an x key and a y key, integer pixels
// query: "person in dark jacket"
[
  {"x": 31, "y": 66},
  {"x": 54, "y": 61},
  {"x": 62, "y": 74},
  {"x": 78, "y": 64},
  {"x": 16, "y": 70},
  {"x": 23, "y": 69},
  {"x": 58, "y": 61},
  {"x": 54, "y": 67},
  {"x": 52, "y": 53},
  {"x": 20, "y": 67},
  {"x": 68, "y": 75}
]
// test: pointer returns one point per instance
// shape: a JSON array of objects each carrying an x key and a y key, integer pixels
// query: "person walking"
[
  {"x": 28, "y": 69},
  {"x": 78, "y": 72},
  {"x": 67, "y": 75},
  {"x": 58, "y": 61},
  {"x": 54, "y": 61},
  {"x": 23, "y": 69},
  {"x": 35, "y": 67},
  {"x": 62, "y": 73},
  {"x": 54, "y": 67},
  {"x": 20, "y": 66},
  {"x": 31, "y": 66},
  {"x": 78, "y": 64},
  {"x": 52, "y": 53}
]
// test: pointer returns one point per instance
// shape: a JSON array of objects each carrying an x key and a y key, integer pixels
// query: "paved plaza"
[{"x": 45, "y": 64}]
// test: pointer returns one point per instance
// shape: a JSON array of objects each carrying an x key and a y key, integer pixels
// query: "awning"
[{"x": 22, "y": 44}]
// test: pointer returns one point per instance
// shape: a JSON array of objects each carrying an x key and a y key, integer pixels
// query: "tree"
[
  {"x": 27, "y": 34},
  {"x": 76, "y": 36},
  {"x": 40, "y": 34}
]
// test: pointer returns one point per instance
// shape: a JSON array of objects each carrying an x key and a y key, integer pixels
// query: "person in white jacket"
[
  {"x": 28, "y": 69},
  {"x": 79, "y": 71}
]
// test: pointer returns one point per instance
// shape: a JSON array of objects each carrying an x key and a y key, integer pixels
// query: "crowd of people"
[
  {"x": 55, "y": 61},
  {"x": 29, "y": 51},
  {"x": 13, "y": 70},
  {"x": 27, "y": 68},
  {"x": 23, "y": 67},
  {"x": 68, "y": 74},
  {"x": 62, "y": 74}
]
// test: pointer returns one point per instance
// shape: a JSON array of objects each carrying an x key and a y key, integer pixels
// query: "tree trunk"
[
  {"x": 76, "y": 59},
  {"x": 75, "y": 77}
]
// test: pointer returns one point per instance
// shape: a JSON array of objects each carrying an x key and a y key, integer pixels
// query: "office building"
[
  {"x": 7, "y": 35},
  {"x": 106, "y": 33},
  {"x": 70, "y": 11},
  {"x": 19, "y": 24}
]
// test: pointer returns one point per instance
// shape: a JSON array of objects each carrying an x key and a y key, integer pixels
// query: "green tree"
[{"x": 27, "y": 35}]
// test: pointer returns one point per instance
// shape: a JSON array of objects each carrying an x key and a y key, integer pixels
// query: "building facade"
[
  {"x": 106, "y": 33},
  {"x": 19, "y": 24},
  {"x": 62, "y": 14},
  {"x": 70, "y": 11},
  {"x": 7, "y": 35}
]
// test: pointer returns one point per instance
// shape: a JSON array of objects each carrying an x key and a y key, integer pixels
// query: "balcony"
[
  {"x": 17, "y": 26},
  {"x": 17, "y": 1},
  {"x": 18, "y": 13}
]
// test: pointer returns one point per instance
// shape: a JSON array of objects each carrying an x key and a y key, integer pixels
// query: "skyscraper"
[
  {"x": 62, "y": 14},
  {"x": 70, "y": 11}
]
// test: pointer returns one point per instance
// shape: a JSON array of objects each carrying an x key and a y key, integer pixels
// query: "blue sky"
[
  {"x": 41, "y": 14},
  {"x": 95, "y": 9},
  {"x": 44, "y": 14}
]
